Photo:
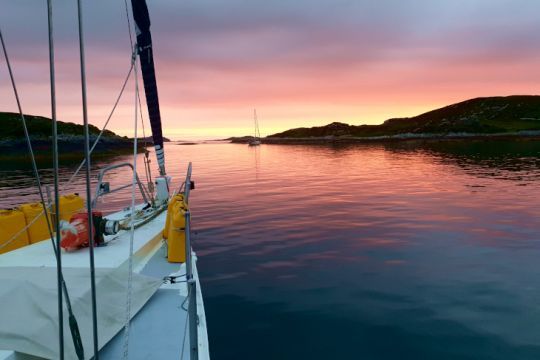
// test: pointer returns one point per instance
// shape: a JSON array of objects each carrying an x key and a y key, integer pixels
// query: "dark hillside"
[
  {"x": 478, "y": 116},
  {"x": 70, "y": 138},
  {"x": 41, "y": 127}
]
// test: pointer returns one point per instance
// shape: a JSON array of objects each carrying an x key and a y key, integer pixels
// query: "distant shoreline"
[
  {"x": 388, "y": 138},
  {"x": 13, "y": 145},
  {"x": 69, "y": 148},
  {"x": 479, "y": 118}
]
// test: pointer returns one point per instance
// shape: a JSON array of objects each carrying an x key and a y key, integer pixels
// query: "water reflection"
[
  {"x": 516, "y": 160},
  {"x": 383, "y": 251}
]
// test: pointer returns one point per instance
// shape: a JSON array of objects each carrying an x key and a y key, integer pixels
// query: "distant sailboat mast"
[
  {"x": 257, "y": 132},
  {"x": 257, "y": 135}
]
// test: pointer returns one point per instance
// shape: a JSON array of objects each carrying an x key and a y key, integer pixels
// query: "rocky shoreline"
[
  {"x": 388, "y": 138},
  {"x": 13, "y": 146},
  {"x": 70, "y": 146}
]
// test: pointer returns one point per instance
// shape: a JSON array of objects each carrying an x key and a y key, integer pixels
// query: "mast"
[
  {"x": 257, "y": 132},
  {"x": 146, "y": 58}
]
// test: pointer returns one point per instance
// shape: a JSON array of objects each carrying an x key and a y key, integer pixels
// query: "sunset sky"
[{"x": 300, "y": 63}]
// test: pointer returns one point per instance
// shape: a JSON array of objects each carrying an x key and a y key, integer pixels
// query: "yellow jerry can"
[
  {"x": 12, "y": 222},
  {"x": 69, "y": 205},
  {"x": 176, "y": 230},
  {"x": 39, "y": 230}
]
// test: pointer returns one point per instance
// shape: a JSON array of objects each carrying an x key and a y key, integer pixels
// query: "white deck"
[
  {"x": 110, "y": 256},
  {"x": 148, "y": 260}
]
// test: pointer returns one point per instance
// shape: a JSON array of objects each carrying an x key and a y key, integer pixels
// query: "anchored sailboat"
[
  {"x": 129, "y": 282},
  {"x": 257, "y": 135}
]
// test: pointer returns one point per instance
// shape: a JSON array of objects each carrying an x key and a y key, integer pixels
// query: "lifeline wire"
[
  {"x": 80, "y": 165},
  {"x": 96, "y": 141},
  {"x": 132, "y": 230},
  {"x": 74, "y": 327},
  {"x": 104, "y": 126}
]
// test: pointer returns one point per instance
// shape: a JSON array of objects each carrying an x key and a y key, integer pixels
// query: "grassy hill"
[
  {"x": 41, "y": 127},
  {"x": 490, "y": 115},
  {"x": 70, "y": 138}
]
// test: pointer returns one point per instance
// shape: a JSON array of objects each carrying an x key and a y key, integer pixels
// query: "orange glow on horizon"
[{"x": 272, "y": 121}]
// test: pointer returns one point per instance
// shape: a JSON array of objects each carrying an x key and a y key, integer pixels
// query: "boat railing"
[
  {"x": 192, "y": 317},
  {"x": 103, "y": 188},
  {"x": 192, "y": 289}
]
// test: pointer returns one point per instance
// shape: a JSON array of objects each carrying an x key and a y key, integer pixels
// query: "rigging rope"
[
  {"x": 72, "y": 320},
  {"x": 74, "y": 327},
  {"x": 142, "y": 122},
  {"x": 25, "y": 129},
  {"x": 96, "y": 141},
  {"x": 129, "y": 24},
  {"x": 86, "y": 161},
  {"x": 134, "y": 181},
  {"x": 104, "y": 126},
  {"x": 17, "y": 234},
  {"x": 132, "y": 230},
  {"x": 147, "y": 170}
]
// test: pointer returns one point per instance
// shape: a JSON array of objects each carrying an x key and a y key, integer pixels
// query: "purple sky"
[{"x": 300, "y": 63}]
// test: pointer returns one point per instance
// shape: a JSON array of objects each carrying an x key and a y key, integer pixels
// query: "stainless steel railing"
[
  {"x": 191, "y": 282},
  {"x": 192, "y": 294},
  {"x": 102, "y": 188}
]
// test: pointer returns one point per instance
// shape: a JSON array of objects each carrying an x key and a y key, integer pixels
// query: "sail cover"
[
  {"x": 144, "y": 49},
  {"x": 29, "y": 306}
]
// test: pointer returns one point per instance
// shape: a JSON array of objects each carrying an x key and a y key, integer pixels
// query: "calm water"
[{"x": 407, "y": 251}]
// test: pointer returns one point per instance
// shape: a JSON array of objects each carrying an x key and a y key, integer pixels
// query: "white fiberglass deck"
[{"x": 159, "y": 329}]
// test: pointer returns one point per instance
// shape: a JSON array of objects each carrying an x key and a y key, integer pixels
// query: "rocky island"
[
  {"x": 510, "y": 116},
  {"x": 70, "y": 139}
]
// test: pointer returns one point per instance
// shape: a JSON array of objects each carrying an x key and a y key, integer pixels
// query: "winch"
[{"x": 74, "y": 234}]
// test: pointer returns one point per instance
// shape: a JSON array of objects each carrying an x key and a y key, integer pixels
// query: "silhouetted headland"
[
  {"x": 70, "y": 139},
  {"x": 498, "y": 117}
]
